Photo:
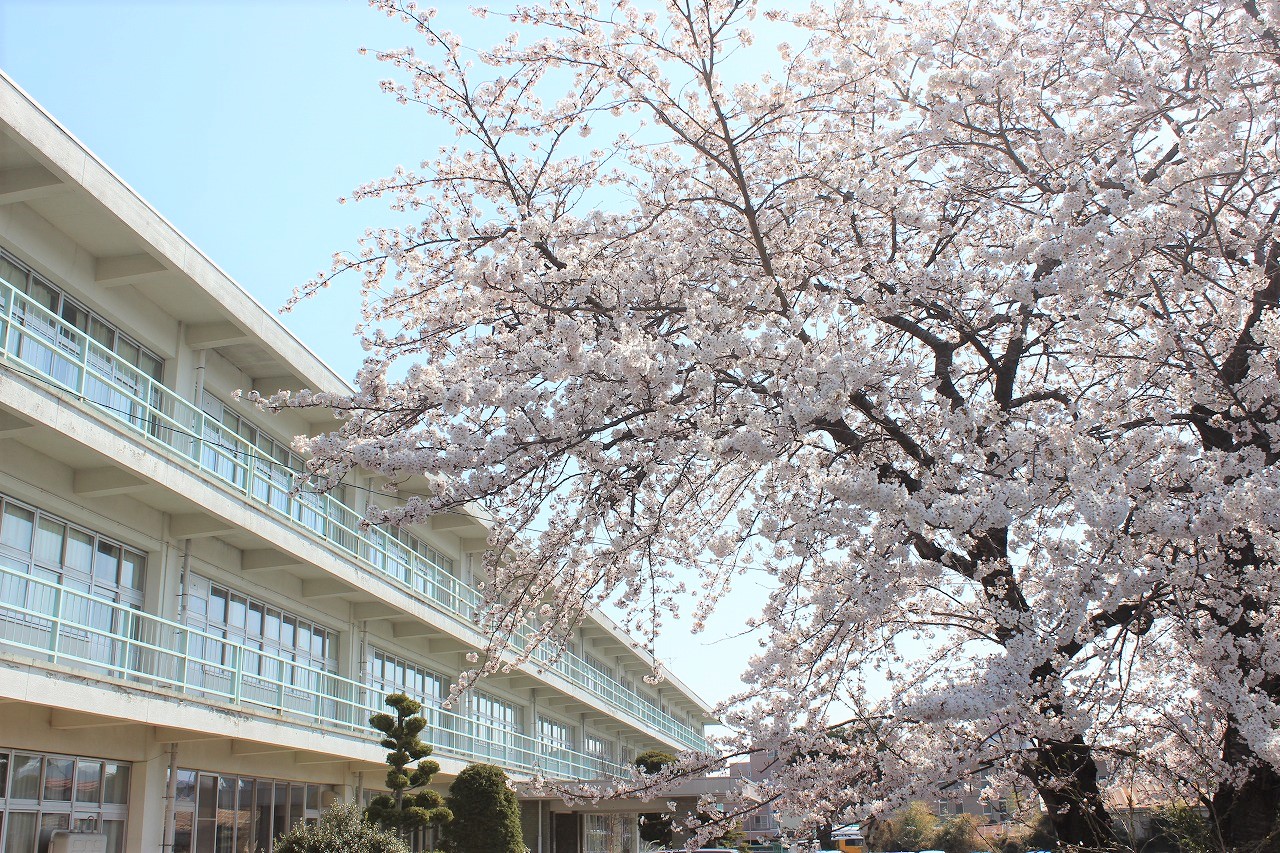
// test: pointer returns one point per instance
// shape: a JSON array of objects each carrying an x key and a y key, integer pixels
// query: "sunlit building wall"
[{"x": 190, "y": 649}]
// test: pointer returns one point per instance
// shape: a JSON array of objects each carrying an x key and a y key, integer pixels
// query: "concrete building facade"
[{"x": 189, "y": 653}]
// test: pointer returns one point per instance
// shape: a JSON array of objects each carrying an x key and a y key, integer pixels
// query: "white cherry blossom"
[{"x": 957, "y": 320}]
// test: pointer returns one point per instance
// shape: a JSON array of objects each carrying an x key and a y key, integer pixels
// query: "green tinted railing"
[
  {"x": 65, "y": 356},
  {"x": 48, "y": 622}
]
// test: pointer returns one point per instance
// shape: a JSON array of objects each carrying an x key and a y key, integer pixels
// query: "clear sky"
[{"x": 242, "y": 122}]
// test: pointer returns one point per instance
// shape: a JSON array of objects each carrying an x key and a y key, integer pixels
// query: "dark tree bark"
[
  {"x": 1248, "y": 814},
  {"x": 1066, "y": 777}
]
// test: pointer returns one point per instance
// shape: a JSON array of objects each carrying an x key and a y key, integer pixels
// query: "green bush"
[
  {"x": 341, "y": 829},
  {"x": 1041, "y": 836},
  {"x": 654, "y": 760},
  {"x": 909, "y": 828},
  {"x": 1183, "y": 828},
  {"x": 655, "y": 827},
  {"x": 486, "y": 814},
  {"x": 959, "y": 835}
]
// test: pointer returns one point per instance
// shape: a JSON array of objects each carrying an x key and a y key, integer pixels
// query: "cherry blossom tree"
[{"x": 954, "y": 321}]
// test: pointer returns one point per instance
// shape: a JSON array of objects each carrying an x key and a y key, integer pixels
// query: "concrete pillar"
[{"x": 147, "y": 789}]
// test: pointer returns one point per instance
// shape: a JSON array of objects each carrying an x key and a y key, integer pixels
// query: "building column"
[{"x": 148, "y": 787}]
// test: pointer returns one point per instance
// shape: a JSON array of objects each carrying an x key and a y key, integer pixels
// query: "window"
[
  {"x": 36, "y": 542},
  {"x": 281, "y": 658},
  {"x": 496, "y": 712},
  {"x": 247, "y": 621},
  {"x": 995, "y": 810},
  {"x": 948, "y": 807},
  {"x": 40, "y": 791},
  {"x": 417, "y": 564},
  {"x": 599, "y": 677},
  {"x": 58, "y": 333},
  {"x": 65, "y": 586},
  {"x": 497, "y": 728},
  {"x": 236, "y": 449},
  {"x": 555, "y": 745},
  {"x": 390, "y": 674},
  {"x": 229, "y": 450},
  {"x": 595, "y": 831},
  {"x": 599, "y": 752},
  {"x": 608, "y": 833},
  {"x": 232, "y": 813}
]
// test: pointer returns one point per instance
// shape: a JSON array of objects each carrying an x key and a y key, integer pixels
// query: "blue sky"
[{"x": 242, "y": 122}]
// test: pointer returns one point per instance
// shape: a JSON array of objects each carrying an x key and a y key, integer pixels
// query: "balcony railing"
[
  {"x": 65, "y": 356},
  {"x": 48, "y": 622}
]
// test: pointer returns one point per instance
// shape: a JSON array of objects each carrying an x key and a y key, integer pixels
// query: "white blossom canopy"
[{"x": 956, "y": 320}]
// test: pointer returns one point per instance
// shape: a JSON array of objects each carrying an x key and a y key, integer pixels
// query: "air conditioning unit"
[{"x": 65, "y": 841}]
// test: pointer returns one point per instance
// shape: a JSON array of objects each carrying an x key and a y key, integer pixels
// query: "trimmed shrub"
[{"x": 486, "y": 814}]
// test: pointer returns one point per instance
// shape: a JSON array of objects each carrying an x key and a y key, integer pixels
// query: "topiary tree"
[
  {"x": 410, "y": 805},
  {"x": 486, "y": 814},
  {"x": 341, "y": 829},
  {"x": 655, "y": 827}
]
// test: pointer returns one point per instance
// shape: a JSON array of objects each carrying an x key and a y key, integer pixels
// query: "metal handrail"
[
  {"x": 49, "y": 622},
  {"x": 67, "y": 357}
]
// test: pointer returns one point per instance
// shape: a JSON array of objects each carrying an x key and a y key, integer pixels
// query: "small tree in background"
[
  {"x": 486, "y": 814},
  {"x": 735, "y": 839},
  {"x": 1041, "y": 836},
  {"x": 341, "y": 829},
  {"x": 1182, "y": 828},
  {"x": 959, "y": 835},
  {"x": 910, "y": 828},
  {"x": 655, "y": 827},
  {"x": 914, "y": 828},
  {"x": 410, "y": 805}
]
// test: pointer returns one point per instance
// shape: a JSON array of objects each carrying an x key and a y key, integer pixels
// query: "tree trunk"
[
  {"x": 1066, "y": 777},
  {"x": 1248, "y": 814}
]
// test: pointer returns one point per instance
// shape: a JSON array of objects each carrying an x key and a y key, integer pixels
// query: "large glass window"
[
  {"x": 40, "y": 791},
  {"x": 281, "y": 659},
  {"x": 598, "y": 676},
  {"x": 615, "y": 833},
  {"x": 230, "y": 450},
  {"x": 239, "y": 814},
  {"x": 35, "y": 542},
  {"x": 496, "y": 712},
  {"x": 599, "y": 752},
  {"x": 388, "y": 674},
  {"x": 238, "y": 450},
  {"x": 424, "y": 568}
]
